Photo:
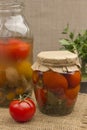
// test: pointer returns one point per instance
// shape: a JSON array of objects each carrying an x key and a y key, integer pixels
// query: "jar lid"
[{"x": 56, "y": 60}]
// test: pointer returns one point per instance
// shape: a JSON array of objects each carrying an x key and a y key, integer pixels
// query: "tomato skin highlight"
[{"x": 22, "y": 111}]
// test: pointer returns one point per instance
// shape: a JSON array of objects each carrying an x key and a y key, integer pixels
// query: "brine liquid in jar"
[{"x": 16, "y": 53}]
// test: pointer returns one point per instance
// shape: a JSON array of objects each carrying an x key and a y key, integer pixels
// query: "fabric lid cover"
[{"x": 58, "y": 61}]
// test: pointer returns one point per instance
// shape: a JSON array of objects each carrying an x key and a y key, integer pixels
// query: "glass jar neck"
[{"x": 10, "y": 6}]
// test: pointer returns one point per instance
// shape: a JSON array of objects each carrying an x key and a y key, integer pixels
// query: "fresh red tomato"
[
  {"x": 22, "y": 110},
  {"x": 17, "y": 49}
]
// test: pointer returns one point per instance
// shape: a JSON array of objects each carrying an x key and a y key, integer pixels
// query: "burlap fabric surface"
[{"x": 77, "y": 120}]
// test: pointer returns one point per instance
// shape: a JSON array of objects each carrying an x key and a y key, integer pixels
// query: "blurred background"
[{"x": 48, "y": 18}]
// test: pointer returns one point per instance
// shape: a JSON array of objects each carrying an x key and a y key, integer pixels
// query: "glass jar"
[
  {"x": 16, "y": 52},
  {"x": 56, "y": 79}
]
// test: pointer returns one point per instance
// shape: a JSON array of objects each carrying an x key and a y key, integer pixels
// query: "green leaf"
[
  {"x": 64, "y": 42},
  {"x": 75, "y": 43},
  {"x": 66, "y": 30},
  {"x": 71, "y": 35}
]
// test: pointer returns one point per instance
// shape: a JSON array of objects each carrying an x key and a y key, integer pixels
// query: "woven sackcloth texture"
[{"x": 77, "y": 120}]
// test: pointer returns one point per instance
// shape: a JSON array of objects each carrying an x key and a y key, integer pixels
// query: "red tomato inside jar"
[{"x": 56, "y": 82}]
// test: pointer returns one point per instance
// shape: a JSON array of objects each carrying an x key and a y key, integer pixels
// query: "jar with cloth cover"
[{"x": 56, "y": 80}]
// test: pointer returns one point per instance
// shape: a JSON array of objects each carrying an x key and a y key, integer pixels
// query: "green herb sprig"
[{"x": 76, "y": 43}]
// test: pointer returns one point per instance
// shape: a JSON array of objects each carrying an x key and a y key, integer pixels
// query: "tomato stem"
[
  {"x": 24, "y": 98},
  {"x": 20, "y": 97}
]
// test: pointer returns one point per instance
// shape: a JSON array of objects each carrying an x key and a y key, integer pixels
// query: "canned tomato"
[{"x": 56, "y": 79}]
